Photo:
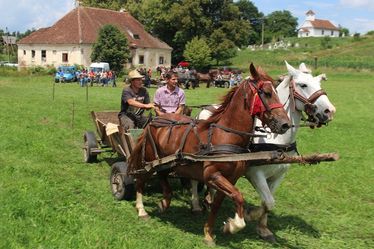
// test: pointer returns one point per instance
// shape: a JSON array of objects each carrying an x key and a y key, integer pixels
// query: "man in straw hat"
[{"x": 135, "y": 99}]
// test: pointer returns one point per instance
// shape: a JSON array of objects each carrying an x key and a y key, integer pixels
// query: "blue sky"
[{"x": 356, "y": 15}]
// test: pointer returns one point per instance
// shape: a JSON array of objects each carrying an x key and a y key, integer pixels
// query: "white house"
[
  {"x": 313, "y": 27},
  {"x": 69, "y": 41}
]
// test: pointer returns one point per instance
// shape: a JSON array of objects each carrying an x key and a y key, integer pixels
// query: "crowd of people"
[
  {"x": 233, "y": 78},
  {"x": 104, "y": 78}
]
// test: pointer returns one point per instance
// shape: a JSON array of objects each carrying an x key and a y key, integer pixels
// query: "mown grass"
[{"x": 49, "y": 198}]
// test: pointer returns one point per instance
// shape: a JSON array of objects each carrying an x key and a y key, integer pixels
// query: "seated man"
[
  {"x": 169, "y": 98},
  {"x": 135, "y": 99}
]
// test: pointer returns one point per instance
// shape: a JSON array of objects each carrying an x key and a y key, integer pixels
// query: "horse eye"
[
  {"x": 303, "y": 85},
  {"x": 268, "y": 94}
]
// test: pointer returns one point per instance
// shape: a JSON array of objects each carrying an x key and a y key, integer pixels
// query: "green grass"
[
  {"x": 49, "y": 198},
  {"x": 344, "y": 54}
]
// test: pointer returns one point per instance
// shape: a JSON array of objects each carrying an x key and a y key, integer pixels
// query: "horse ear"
[
  {"x": 304, "y": 69},
  {"x": 322, "y": 77},
  {"x": 291, "y": 70},
  {"x": 253, "y": 71}
]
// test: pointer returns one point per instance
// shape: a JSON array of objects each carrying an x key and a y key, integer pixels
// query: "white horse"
[{"x": 299, "y": 92}]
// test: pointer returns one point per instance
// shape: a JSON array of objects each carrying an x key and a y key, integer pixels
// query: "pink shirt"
[{"x": 169, "y": 101}]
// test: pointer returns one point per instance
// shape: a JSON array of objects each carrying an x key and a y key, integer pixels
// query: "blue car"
[{"x": 66, "y": 74}]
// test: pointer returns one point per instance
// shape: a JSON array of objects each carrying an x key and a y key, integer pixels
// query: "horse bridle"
[
  {"x": 309, "y": 106},
  {"x": 257, "y": 89}
]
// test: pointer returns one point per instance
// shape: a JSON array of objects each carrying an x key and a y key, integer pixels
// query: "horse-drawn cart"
[{"x": 113, "y": 139}]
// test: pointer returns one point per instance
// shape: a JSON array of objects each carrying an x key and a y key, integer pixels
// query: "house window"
[
  {"x": 136, "y": 36},
  {"x": 44, "y": 55},
  {"x": 141, "y": 59},
  {"x": 161, "y": 60},
  {"x": 24, "y": 52},
  {"x": 54, "y": 51},
  {"x": 32, "y": 54},
  {"x": 65, "y": 57},
  {"x": 332, "y": 32},
  {"x": 82, "y": 51},
  {"x": 323, "y": 32}
]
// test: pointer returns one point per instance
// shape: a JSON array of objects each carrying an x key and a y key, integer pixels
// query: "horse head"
[
  {"x": 266, "y": 104},
  {"x": 309, "y": 96}
]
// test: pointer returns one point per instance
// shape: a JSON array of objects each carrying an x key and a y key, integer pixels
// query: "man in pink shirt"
[{"x": 169, "y": 98}]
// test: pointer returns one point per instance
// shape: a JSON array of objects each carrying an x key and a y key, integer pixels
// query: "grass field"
[{"x": 49, "y": 198}]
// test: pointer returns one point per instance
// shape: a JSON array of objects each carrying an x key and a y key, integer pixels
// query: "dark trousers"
[{"x": 136, "y": 121}]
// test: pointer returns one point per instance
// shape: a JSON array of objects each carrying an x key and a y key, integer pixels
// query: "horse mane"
[
  {"x": 225, "y": 100},
  {"x": 228, "y": 97}
]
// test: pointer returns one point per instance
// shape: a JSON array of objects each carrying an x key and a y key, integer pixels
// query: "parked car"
[
  {"x": 8, "y": 64},
  {"x": 66, "y": 74},
  {"x": 99, "y": 67}
]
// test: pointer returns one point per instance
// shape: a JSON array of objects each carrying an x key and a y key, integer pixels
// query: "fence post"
[
  {"x": 86, "y": 91},
  {"x": 315, "y": 62},
  {"x": 53, "y": 91}
]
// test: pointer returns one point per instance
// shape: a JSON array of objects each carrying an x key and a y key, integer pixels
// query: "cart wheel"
[
  {"x": 89, "y": 143},
  {"x": 122, "y": 185},
  {"x": 226, "y": 85}
]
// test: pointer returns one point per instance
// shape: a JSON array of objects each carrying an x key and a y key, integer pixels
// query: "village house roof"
[
  {"x": 323, "y": 24},
  {"x": 82, "y": 25}
]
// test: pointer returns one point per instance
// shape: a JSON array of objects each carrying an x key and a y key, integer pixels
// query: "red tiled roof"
[
  {"x": 304, "y": 30},
  {"x": 323, "y": 24},
  {"x": 82, "y": 24}
]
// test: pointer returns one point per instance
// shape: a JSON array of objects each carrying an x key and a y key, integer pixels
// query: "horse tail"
[{"x": 135, "y": 159}]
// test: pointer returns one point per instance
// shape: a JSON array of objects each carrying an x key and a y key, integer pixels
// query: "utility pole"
[
  {"x": 7, "y": 43},
  {"x": 262, "y": 33}
]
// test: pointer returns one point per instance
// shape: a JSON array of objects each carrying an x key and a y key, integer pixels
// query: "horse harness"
[{"x": 208, "y": 148}]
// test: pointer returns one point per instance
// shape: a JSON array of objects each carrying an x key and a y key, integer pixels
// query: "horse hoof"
[
  {"x": 269, "y": 238},
  {"x": 209, "y": 243},
  {"x": 144, "y": 217}
]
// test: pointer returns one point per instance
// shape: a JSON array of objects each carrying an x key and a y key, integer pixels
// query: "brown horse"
[{"x": 227, "y": 131}]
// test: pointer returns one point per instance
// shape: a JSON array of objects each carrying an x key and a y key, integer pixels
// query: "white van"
[{"x": 98, "y": 67}]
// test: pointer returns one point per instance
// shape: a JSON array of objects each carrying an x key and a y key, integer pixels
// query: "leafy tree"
[
  {"x": 343, "y": 31},
  {"x": 111, "y": 46},
  {"x": 370, "y": 33},
  {"x": 280, "y": 24},
  {"x": 106, "y": 4},
  {"x": 250, "y": 13},
  {"x": 197, "y": 52},
  {"x": 222, "y": 48}
]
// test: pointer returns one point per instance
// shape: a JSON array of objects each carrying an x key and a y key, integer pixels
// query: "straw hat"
[{"x": 134, "y": 74}]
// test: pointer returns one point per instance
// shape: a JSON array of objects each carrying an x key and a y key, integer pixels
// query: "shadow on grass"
[{"x": 181, "y": 217}]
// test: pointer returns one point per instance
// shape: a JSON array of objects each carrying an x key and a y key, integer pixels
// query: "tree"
[
  {"x": 343, "y": 31},
  {"x": 178, "y": 22},
  {"x": 197, "y": 52},
  {"x": 106, "y": 4},
  {"x": 249, "y": 12},
  {"x": 111, "y": 46},
  {"x": 280, "y": 24},
  {"x": 222, "y": 48}
]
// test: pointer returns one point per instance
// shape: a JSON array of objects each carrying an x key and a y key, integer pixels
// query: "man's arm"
[
  {"x": 137, "y": 104},
  {"x": 180, "y": 109}
]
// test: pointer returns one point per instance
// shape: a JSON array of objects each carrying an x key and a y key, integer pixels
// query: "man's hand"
[{"x": 149, "y": 106}]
